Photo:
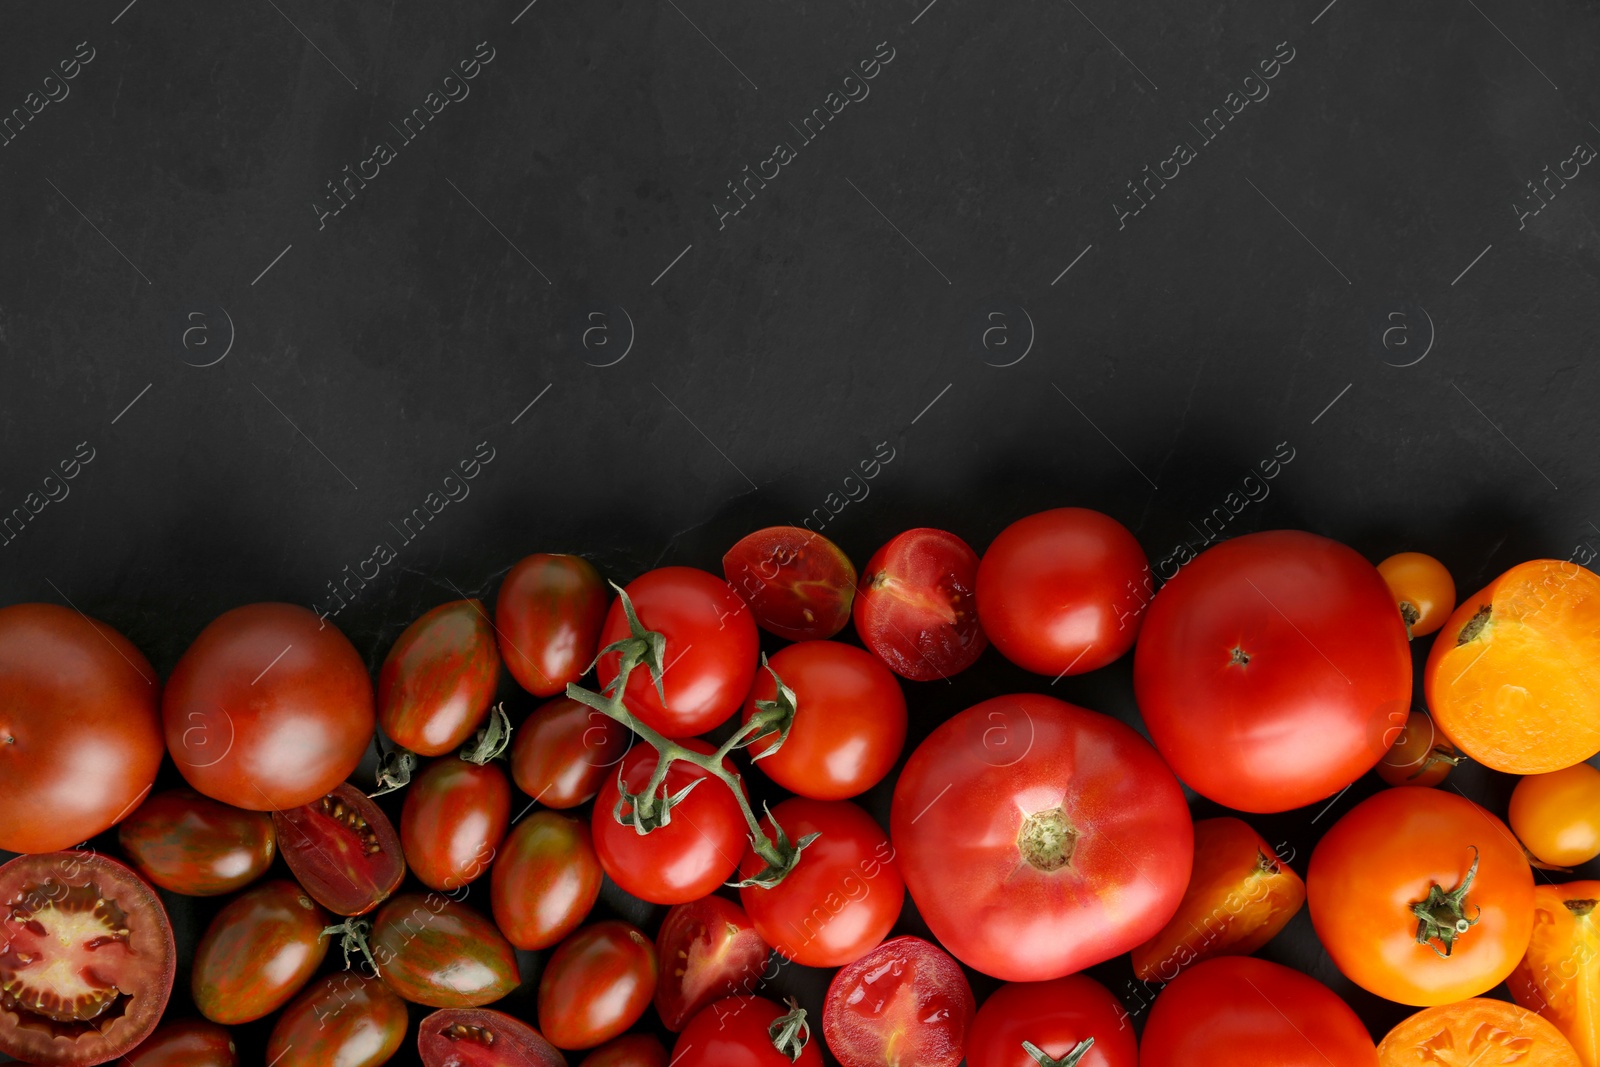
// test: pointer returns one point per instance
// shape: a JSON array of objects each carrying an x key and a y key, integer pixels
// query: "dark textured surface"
[{"x": 1353, "y": 239}]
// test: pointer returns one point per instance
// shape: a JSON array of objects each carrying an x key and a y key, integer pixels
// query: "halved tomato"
[
  {"x": 1475, "y": 1033},
  {"x": 799, "y": 584},
  {"x": 906, "y": 1002},
  {"x": 343, "y": 849},
  {"x": 917, "y": 607},
  {"x": 1560, "y": 976},
  {"x": 708, "y": 949},
  {"x": 478, "y": 1037}
]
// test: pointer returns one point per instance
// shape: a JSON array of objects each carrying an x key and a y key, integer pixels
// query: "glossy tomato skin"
[
  {"x": 1557, "y": 814},
  {"x": 1063, "y": 591},
  {"x": 711, "y": 649},
  {"x": 733, "y": 1033},
  {"x": 596, "y": 985},
  {"x": 454, "y": 818},
  {"x": 339, "y": 1020},
  {"x": 1559, "y": 977},
  {"x": 1418, "y": 753},
  {"x": 1422, "y": 589},
  {"x": 270, "y": 708},
  {"x": 437, "y": 682},
  {"x": 629, "y": 1050},
  {"x": 432, "y": 950},
  {"x": 708, "y": 949},
  {"x": 343, "y": 850},
  {"x": 481, "y": 1037},
  {"x": 186, "y": 1043},
  {"x": 1038, "y": 838},
  {"x": 545, "y": 880},
  {"x": 80, "y": 730},
  {"x": 849, "y": 724},
  {"x": 1237, "y": 1009},
  {"x": 564, "y": 750},
  {"x": 1056, "y": 1016},
  {"x": 916, "y": 607},
  {"x": 799, "y": 584},
  {"x": 196, "y": 846},
  {"x": 548, "y": 616},
  {"x": 906, "y": 1001},
  {"x": 1270, "y": 668},
  {"x": 258, "y": 952}
]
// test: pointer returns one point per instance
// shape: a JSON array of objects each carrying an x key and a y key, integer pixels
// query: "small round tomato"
[
  {"x": 479, "y": 1037},
  {"x": 80, "y": 734},
  {"x": 438, "y": 680},
  {"x": 545, "y": 880},
  {"x": 1421, "y": 896},
  {"x": 1238, "y": 1009},
  {"x": 1068, "y": 1015},
  {"x": 1473, "y": 1033},
  {"x": 197, "y": 846},
  {"x": 1063, "y": 592},
  {"x": 343, "y": 849},
  {"x": 87, "y": 956},
  {"x": 596, "y": 984},
  {"x": 258, "y": 952},
  {"x": 269, "y": 708},
  {"x": 340, "y": 1020},
  {"x": 710, "y": 656},
  {"x": 1419, "y": 754},
  {"x": 798, "y": 584},
  {"x": 906, "y": 1001},
  {"x": 916, "y": 607},
  {"x": 687, "y": 858},
  {"x": 185, "y": 1043},
  {"x": 747, "y": 1032},
  {"x": 434, "y": 951},
  {"x": 629, "y": 1050},
  {"x": 564, "y": 750},
  {"x": 548, "y": 617},
  {"x": 1561, "y": 971},
  {"x": 455, "y": 816},
  {"x": 709, "y": 949},
  {"x": 1557, "y": 815},
  {"x": 1422, "y": 589},
  {"x": 849, "y": 723}
]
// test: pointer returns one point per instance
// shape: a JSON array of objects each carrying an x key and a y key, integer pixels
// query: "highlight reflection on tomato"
[
  {"x": 708, "y": 949},
  {"x": 906, "y": 1001},
  {"x": 1559, "y": 976},
  {"x": 340, "y": 1020},
  {"x": 545, "y": 880},
  {"x": 434, "y": 951},
  {"x": 438, "y": 679},
  {"x": 548, "y": 616},
  {"x": 1056, "y": 1017},
  {"x": 564, "y": 750},
  {"x": 916, "y": 607},
  {"x": 185, "y": 1043},
  {"x": 258, "y": 952},
  {"x": 739, "y": 1032},
  {"x": 454, "y": 817},
  {"x": 342, "y": 849},
  {"x": 596, "y": 984},
  {"x": 799, "y": 584},
  {"x": 190, "y": 844},
  {"x": 482, "y": 1037}
]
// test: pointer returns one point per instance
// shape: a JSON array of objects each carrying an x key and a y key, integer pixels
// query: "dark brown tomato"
[
  {"x": 708, "y": 949},
  {"x": 343, "y": 849},
  {"x": 545, "y": 880},
  {"x": 259, "y": 951},
  {"x": 629, "y": 1050},
  {"x": 434, "y": 951},
  {"x": 916, "y": 608},
  {"x": 455, "y": 816},
  {"x": 548, "y": 617},
  {"x": 185, "y": 1043},
  {"x": 596, "y": 984},
  {"x": 478, "y": 1037},
  {"x": 439, "y": 679},
  {"x": 563, "y": 751},
  {"x": 196, "y": 846},
  {"x": 340, "y": 1020},
  {"x": 799, "y": 584}
]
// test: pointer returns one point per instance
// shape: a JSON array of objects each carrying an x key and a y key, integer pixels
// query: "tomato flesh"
[
  {"x": 799, "y": 585},
  {"x": 917, "y": 605},
  {"x": 343, "y": 850},
  {"x": 708, "y": 949},
  {"x": 904, "y": 1002},
  {"x": 478, "y": 1037}
]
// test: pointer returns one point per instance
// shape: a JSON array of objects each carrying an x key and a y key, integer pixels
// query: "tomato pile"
[{"x": 397, "y": 858}]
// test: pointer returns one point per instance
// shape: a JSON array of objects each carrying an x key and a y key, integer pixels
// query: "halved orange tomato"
[
  {"x": 1560, "y": 976},
  {"x": 1475, "y": 1033}
]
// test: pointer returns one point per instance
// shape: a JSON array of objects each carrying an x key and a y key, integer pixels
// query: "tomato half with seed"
[
  {"x": 548, "y": 616},
  {"x": 1059, "y": 1017},
  {"x": 563, "y": 751},
  {"x": 629, "y": 1050},
  {"x": 596, "y": 984},
  {"x": 906, "y": 1001},
  {"x": 434, "y": 951},
  {"x": 747, "y": 1032},
  {"x": 1476, "y": 1033},
  {"x": 1559, "y": 977},
  {"x": 343, "y": 849},
  {"x": 479, "y": 1037},
  {"x": 454, "y": 818},
  {"x": 1418, "y": 755},
  {"x": 799, "y": 584},
  {"x": 340, "y": 1020},
  {"x": 439, "y": 678},
  {"x": 917, "y": 605},
  {"x": 259, "y": 951},
  {"x": 88, "y": 959},
  {"x": 545, "y": 880},
  {"x": 185, "y": 1043},
  {"x": 708, "y": 949},
  {"x": 193, "y": 845}
]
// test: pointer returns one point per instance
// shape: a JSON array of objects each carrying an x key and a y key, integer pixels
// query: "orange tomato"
[
  {"x": 1514, "y": 677},
  {"x": 1240, "y": 895},
  {"x": 1422, "y": 589},
  {"x": 1475, "y": 1033},
  {"x": 1560, "y": 976},
  {"x": 1557, "y": 815},
  {"x": 1420, "y": 755}
]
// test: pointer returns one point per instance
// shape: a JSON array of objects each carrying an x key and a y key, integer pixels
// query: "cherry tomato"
[
  {"x": 1560, "y": 975},
  {"x": 710, "y": 655},
  {"x": 798, "y": 584},
  {"x": 840, "y": 899},
  {"x": 1038, "y": 838},
  {"x": 454, "y": 818},
  {"x": 1058, "y": 1018},
  {"x": 545, "y": 880},
  {"x": 1557, "y": 815},
  {"x": 438, "y": 680},
  {"x": 1421, "y": 896},
  {"x": 434, "y": 951},
  {"x": 1063, "y": 592},
  {"x": 258, "y": 952},
  {"x": 479, "y": 1037},
  {"x": 87, "y": 957},
  {"x": 1268, "y": 668},
  {"x": 1422, "y": 589},
  {"x": 343, "y": 849},
  {"x": 747, "y": 1032},
  {"x": 1418, "y": 755},
  {"x": 916, "y": 607},
  {"x": 849, "y": 724},
  {"x": 548, "y": 617},
  {"x": 340, "y": 1020},
  {"x": 904, "y": 1002},
  {"x": 197, "y": 846},
  {"x": 709, "y": 949},
  {"x": 1236, "y": 1009},
  {"x": 80, "y": 734},
  {"x": 596, "y": 984},
  {"x": 1475, "y": 1033},
  {"x": 564, "y": 750},
  {"x": 629, "y": 1050},
  {"x": 185, "y": 1043},
  {"x": 270, "y": 708}
]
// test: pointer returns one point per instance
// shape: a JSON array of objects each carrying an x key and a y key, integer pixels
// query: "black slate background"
[{"x": 1342, "y": 273}]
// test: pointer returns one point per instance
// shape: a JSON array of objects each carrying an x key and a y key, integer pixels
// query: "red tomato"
[
  {"x": 185, "y": 1043},
  {"x": 849, "y": 724},
  {"x": 710, "y": 654},
  {"x": 916, "y": 607},
  {"x": 454, "y": 818},
  {"x": 798, "y": 584},
  {"x": 438, "y": 680},
  {"x": 1270, "y": 670},
  {"x": 87, "y": 957},
  {"x": 1056, "y": 1017},
  {"x": 343, "y": 849},
  {"x": 905, "y": 1002},
  {"x": 545, "y": 880},
  {"x": 258, "y": 952},
  {"x": 737, "y": 1032},
  {"x": 479, "y": 1037},
  {"x": 840, "y": 899},
  {"x": 596, "y": 985},
  {"x": 564, "y": 750},
  {"x": 270, "y": 708},
  {"x": 709, "y": 949},
  {"x": 80, "y": 735},
  {"x": 434, "y": 951},
  {"x": 1237, "y": 1009},
  {"x": 1038, "y": 838},
  {"x": 193, "y": 845},
  {"x": 548, "y": 617},
  {"x": 629, "y": 1050},
  {"x": 340, "y": 1020}
]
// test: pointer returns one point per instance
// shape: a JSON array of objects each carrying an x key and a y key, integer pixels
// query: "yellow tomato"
[{"x": 1557, "y": 815}]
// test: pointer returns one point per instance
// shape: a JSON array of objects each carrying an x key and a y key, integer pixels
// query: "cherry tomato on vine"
[
  {"x": 1422, "y": 589},
  {"x": 479, "y": 1037},
  {"x": 564, "y": 750},
  {"x": 1557, "y": 815},
  {"x": 545, "y": 880},
  {"x": 454, "y": 817},
  {"x": 258, "y": 952},
  {"x": 340, "y": 1020},
  {"x": 708, "y": 949},
  {"x": 548, "y": 616},
  {"x": 439, "y": 678},
  {"x": 1068, "y": 1015},
  {"x": 747, "y": 1032},
  {"x": 1475, "y": 1033},
  {"x": 906, "y": 1002},
  {"x": 432, "y": 950},
  {"x": 1419, "y": 755},
  {"x": 629, "y": 1050},
  {"x": 916, "y": 607},
  {"x": 342, "y": 849},
  {"x": 190, "y": 844},
  {"x": 596, "y": 984},
  {"x": 799, "y": 585},
  {"x": 1560, "y": 974},
  {"x": 185, "y": 1043}
]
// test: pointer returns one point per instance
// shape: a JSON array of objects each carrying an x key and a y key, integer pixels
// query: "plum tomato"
[
  {"x": 1038, "y": 838},
  {"x": 1559, "y": 977},
  {"x": 1421, "y": 896},
  {"x": 708, "y": 949},
  {"x": 454, "y": 818},
  {"x": 196, "y": 846},
  {"x": 629, "y": 1050},
  {"x": 849, "y": 723},
  {"x": 548, "y": 617},
  {"x": 86, "y": 957},
  {"x": 798, "y": 584},
  {"x": 747, "y": 1032},
  {"x": 1422, "y": 589},
  {"x": 1557, "y": 815},
  {"x": 1063, "y": 592},
  {"x": 563, "y": 751},
  {"x": 843, "y": 896},
  {"x": 1268, "y": 670},
  {"x": 1475, "y": 1033},
  {"x": 80, "y": 729},
  {"x": 434, "y": 951},
  {"x": 1419, "y": 753},
  {"x": 545, "y": 880},
  {"x": 269, "y": 708},
  {"x": 340, "y": 1020},
  {"x": 710, "y": 656},
  {"x": 906, "y": 1001},
  {"x": 1238, "y": 1009},
  {"x": 343, "y": 849},
  {"x": 916, "y": 607},
  {"x": 596, "y": 984},
  {"x": 258, "y": 952},
  {"x": 439, "y": 679},
  {"x": 1060, "y": 1017},
  {"x": 185, "y": 1043},
  {"x": 480, "y": 1037}
]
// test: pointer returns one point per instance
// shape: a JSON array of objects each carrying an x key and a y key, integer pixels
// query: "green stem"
[
  {"x": 1072, "y": 1058},
  {"x": 1442, "y": 915}
]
